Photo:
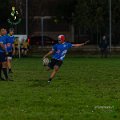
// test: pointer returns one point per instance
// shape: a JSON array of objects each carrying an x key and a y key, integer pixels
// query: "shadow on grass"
[{"x": 38, "y": 83}]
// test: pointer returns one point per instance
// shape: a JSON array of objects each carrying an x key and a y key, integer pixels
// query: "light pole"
[
  {"x": 27, "y": 18},
  {"x": 42, "y": 30},
  {"x": 42, "y": 27},
  {"x": 110, "y": 26},
  {"x": 73, "y": 29}
]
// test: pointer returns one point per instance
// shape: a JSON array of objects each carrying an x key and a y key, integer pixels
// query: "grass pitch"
[{"x": 84, "y": 89}]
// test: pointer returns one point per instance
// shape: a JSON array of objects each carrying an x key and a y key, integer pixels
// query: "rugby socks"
[
  {"x": 10, "y": 70},
  {"x": 1, "y": 78},
  {"x": 49, "y": 80},
  {"x": 5, "y": 73}
]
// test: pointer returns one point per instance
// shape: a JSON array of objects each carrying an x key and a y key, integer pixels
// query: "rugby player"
[
  {"x": 58, "y": 53},
  {"x": 3, "y": 53},
  {"x": 10, "y": 48}
]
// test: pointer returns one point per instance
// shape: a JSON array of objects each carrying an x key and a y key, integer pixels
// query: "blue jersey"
[
  {"x": 60, "y": 50},
  {"x": 10, "y": 42},
  {"x": 3, "y": 40}
]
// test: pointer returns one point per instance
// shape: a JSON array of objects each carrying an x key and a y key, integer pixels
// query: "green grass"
[{"x": 84, "y": 89}]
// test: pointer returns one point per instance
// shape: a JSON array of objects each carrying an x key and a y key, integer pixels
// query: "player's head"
[
  {"x": 3, "y": 31},
  {"x": 61, "y": 38},
  {"x": 104, "y": 37},
  {"x": 11, "y": 31}
]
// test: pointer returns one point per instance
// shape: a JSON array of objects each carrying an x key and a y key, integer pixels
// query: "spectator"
[
  {"x": 24, "y": 47},
  {"x": 16, "y": 44},
  {"x": 104, "y": 47}
]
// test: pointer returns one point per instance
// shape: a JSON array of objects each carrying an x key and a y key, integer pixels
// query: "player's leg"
[
  {"x": 0, "y": 66},
  {"x": 25, "y": 51},
  {"x": 22, "y": 52},
  {"x": 4, "y": 69},
  {"x": 1, "y": 58},
  {"x": 56, "y": 65},
  {"x": 1, "y": 78},
  {"x": 16, "y": 52},
  {"x": 55, "y": 70},
  {"x": 9, "y": 61},
  {"x": 106, "y": 53},
  {"x": 102, "y": 52},
  {"x": 4, "y": 66}
]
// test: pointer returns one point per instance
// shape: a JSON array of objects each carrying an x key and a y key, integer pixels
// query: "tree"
[
  {"x": 61, "y": 9},
  {"x": 4, "y": 11},
  {"x": 94, "y": 15},
  {"x": 65, "y": 9}
]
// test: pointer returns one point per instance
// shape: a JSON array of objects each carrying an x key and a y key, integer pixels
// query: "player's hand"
[{"x": 86, "y": 42}]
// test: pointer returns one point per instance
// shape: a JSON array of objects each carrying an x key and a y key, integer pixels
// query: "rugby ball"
[{"x": 46, "y": 61}]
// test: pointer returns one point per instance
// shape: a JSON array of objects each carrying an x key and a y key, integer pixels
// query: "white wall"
[{"x": 21, "y": 37}]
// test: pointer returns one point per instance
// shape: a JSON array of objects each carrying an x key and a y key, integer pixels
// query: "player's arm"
[
  {"x": 79, "y": 45},
  {"x": 3, "y": 47},
  {"x": 49, "y": 53}
]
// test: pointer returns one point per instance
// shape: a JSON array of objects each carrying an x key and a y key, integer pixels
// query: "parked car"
[{"x": 37, "y": 40}]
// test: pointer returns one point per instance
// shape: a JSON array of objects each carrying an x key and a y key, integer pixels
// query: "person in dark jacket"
[{"x": 104, "y": 47}]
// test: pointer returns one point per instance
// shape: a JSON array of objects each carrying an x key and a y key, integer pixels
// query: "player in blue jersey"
[
  {"x": 10, "y": 48},
  {"x": 58, "y": 53},
  {"x": 3, "y": 52}
]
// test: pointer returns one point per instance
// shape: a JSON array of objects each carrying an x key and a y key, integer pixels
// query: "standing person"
[
  {"x": 104, "y": 47},
  {"x": 24, "y": 47},
  {"x": 58, "y": 53},
  {"x": 10, "y": 48},
  {"x": 3, "y": 53},
  {"x": 16, "y": 45},
  {"x": 21, "y": 48}
]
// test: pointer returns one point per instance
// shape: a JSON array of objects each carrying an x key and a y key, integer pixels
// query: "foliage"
[
  {"x": 4, "y": 11},
  {"x": 94, "y": 15}
]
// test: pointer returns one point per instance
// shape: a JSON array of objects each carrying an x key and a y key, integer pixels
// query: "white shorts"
[{"x": 9, "y": 58}]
